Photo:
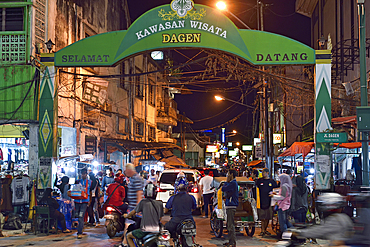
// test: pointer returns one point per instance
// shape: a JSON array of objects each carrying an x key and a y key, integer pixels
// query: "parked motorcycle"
[
  {"x": 185, "y": 234},
  {"x": 159, "y": 239},
  {"x": 114, "y": 220}
]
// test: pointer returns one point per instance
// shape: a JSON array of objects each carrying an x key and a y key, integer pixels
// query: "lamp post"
[
  {"x": 223, "y": 7},
  {"x": 221, "y": 98},
  {"x": 363, "y": 83}
]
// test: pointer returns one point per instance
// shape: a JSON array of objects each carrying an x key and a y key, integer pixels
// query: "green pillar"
[
  {"x": 363, "y": 82},
  {"x": 323, "y": 165},
  {"x": 48, "y": 121}
]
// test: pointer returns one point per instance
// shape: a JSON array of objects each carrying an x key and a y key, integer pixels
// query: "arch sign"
[{"x": 183, "y": 24}]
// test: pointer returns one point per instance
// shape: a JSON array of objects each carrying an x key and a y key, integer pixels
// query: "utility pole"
[{"x": 363, "y": 83}]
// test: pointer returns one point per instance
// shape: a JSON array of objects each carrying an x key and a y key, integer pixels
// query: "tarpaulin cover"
[
  {"x": 254, "y": 162},
  {"x": 349, "y": 145},
  {"x": 298, "y": 148}
]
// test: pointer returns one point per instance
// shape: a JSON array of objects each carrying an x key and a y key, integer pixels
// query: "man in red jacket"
[{"x": 116, "y": 193}]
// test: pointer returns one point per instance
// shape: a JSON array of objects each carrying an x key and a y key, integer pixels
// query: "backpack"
[{"x": 13, "y": 223}]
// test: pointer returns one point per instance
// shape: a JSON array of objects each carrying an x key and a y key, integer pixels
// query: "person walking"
[
  {"x": 230, "y": 188},
  {"x": 264, "y": 186},
  {"x": 94, "y": 196},
  {"x": 82, "y": 204},
  {"x": 134, "y": 189},
  {"x": 153, "y": 177},
  {"x": 107, "y": 180},
  {"x": 283, "y": 198},
  {"x": 207, "y": 192},
  {"x": 299, "y": 202}
]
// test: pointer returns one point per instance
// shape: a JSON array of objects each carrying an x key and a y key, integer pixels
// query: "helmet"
[
  {"x": 181, "y": 184},
  {"x": 330, "y": 201},
  {"x": 181, "y": 175},
  {"x": 120, "y": 178},
  {"x": 150, "y": 191}
]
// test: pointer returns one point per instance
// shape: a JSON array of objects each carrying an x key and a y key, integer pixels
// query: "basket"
[{"x": 78, "y": 194}]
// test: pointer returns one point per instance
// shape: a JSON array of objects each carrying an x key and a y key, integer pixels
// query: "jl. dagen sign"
[{"x": 183, "y": 24}]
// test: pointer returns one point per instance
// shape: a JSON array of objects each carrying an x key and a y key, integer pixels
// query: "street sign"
[
  {"x": 331, "y": 137},
  {"x": 258, "y": 150}
]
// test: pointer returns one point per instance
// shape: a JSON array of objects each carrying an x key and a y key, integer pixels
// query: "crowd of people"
[{"x": 134, "y": 193}]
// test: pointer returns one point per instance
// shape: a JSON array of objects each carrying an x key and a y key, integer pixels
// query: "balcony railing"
[{"x": 12, "y": 49}]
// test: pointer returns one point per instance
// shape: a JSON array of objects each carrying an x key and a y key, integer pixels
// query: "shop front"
[{"x": 14, "y": 150}]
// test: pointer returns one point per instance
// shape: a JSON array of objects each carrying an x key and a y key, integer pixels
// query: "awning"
[
  {"x": 124, "y": 145},
  {"x": 344, "y": 120},
  {"x": 254, "y": 162},
  {"x": 12, "y": 131},
  {"x": 349, "y": 145},
  {"x": 298, "y": 148},
  {"x": 170, "y": 159}
]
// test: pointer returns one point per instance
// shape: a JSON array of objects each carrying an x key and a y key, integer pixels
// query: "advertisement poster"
[
  {"x": 323, "y": 173},
  {"x": 44, "y": 176}
]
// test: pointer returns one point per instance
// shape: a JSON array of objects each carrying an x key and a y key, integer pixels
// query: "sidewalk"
[{"x": 10, "y": 233}]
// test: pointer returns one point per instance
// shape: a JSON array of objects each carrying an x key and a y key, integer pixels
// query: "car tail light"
[
  {"x": 110, "y": 209},
  {"x": 194, "y": 189},
  {"x": 160, "y": 190}
]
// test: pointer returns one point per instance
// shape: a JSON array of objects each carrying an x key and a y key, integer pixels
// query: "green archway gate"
[{"x": 183, "y": 24}]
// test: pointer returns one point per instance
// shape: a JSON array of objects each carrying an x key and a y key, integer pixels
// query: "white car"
[{"x": 167, "y": 180}]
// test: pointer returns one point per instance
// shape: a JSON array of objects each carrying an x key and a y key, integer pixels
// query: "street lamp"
[
  {"x": 322, "y": 41},
  {"x": 219, "y": 98},
  {"x": 223, "y": 7},
  {"x": 49, "y": 45}
]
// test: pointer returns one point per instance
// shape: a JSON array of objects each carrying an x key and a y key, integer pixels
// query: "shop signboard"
[
  {"x": 256, "y": 140},
  {"x": 277, "y": 138},
  {"x": 232, "y": 153},
  {"x": 211, "y": 148},
  {"x": 90, "y": 145},
  {"x": 331, "y": 137},
  {"x": 247, "y": 147}
]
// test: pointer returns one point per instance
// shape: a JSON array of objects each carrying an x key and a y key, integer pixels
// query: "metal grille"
[
  {"x": 13, "y": 48},
  {"x": 40, "y": 21}
]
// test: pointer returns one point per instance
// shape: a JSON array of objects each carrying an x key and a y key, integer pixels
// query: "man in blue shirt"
[
  {"x": 230, "y": 188},
  {"x": 82, "y": 204},
  {"x": 182, "y": 205}
]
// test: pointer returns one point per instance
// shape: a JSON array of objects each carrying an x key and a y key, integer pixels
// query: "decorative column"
[
  {"x": 48, "y": 121},
  {"x": 323, "y": 168}
]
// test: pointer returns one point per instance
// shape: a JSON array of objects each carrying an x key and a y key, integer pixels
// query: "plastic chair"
[{"x": 42, "y": 213}]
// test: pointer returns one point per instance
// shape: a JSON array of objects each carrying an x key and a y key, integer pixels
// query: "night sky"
[{"x": 279, "y": 18}]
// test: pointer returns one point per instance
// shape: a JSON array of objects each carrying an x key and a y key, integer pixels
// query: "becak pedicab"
[{"x": 246, "y": 213}]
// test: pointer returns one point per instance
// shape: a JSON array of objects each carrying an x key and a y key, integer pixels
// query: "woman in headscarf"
[
  {"x": 64, "y": 187},
  {"x": 299, "y": 203},
  {"x": 53, "y": 208},
  {"x": 283, "y": 198},
  {"x": 94, "y": 195}
]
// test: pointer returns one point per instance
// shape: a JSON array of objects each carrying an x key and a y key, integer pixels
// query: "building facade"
[{"x": 125, "y": 109}]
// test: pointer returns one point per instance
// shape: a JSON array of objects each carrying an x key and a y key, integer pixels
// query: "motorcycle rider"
[
  {"x": 117, "y": 194},
  {"x": 181, "y": 204},
  {"x": 152, "y": 212},
  {"x": 336, "y": 226}
]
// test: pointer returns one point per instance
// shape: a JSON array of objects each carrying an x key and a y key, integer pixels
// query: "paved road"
[{"x": 97, "y": 237}]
